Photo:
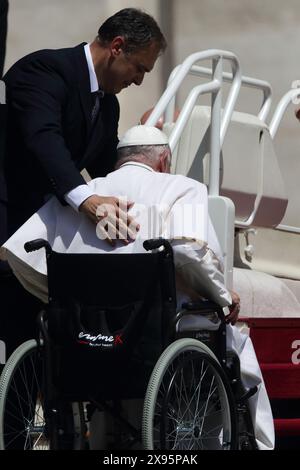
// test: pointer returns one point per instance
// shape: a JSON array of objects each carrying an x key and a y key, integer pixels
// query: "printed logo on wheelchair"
[{"x": 99, "y": 340}]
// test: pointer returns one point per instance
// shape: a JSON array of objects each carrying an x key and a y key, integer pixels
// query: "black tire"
[
  {"x": 22, "y": 421},
  {"x": 189, "y": 404}
]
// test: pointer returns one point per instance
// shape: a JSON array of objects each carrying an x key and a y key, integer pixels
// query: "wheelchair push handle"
[
  {"x": 155, "y": 243},
  {"x": 37, "y": 244}
]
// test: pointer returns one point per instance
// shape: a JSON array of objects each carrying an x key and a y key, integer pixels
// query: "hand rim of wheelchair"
[{"x": 227, "y": 427}]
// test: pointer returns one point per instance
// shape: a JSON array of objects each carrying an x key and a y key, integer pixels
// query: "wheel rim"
[
  {"x": 191, "y": 410},
  {"x": 23, "y": 418}
]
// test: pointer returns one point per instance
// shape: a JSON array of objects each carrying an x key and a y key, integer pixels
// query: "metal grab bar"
[
  {"x": 249, "y": 82},
  {"x": 287, "y": 228},
  {"x": 187, "y": 108},
  {"x": 281, "y": 109},
  {"x": 182, "y": 70},
  {"x": 218, "y": 127}
]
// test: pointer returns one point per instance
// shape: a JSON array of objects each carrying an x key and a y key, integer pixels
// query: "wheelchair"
[{"x": 111, "y": 333}]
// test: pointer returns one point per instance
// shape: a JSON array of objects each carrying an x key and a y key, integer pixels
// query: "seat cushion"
[{"x": 263, "y": 295}]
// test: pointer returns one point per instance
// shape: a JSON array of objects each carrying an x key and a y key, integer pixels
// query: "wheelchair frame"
[{"x": 211, "y": 376}]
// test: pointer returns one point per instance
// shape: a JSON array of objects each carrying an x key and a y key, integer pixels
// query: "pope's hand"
[
  {"x": 110, "y": 214},
  {"x": 234, "y": 308}
]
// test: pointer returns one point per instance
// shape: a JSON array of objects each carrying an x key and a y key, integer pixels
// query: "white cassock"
[{"x": 169, "y": 206}]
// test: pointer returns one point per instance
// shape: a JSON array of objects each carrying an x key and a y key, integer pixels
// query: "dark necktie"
[{"x": 96, "y": 96}]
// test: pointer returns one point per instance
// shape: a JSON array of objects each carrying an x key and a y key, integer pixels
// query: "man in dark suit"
[
  {"x": 63, "y": 116},
  {"x": 54, "y": 127}
]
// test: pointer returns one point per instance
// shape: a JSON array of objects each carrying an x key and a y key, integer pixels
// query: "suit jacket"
[{"x": 50, "y": 138}]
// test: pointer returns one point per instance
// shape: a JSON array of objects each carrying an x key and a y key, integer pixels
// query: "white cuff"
[{"x": 76, "y": 196}]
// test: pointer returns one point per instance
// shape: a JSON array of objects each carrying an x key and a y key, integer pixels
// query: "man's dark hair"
[{"x": 137, "y": 27}]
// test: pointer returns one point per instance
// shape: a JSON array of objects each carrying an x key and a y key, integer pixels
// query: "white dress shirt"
[{"x": 78, "y": 195}]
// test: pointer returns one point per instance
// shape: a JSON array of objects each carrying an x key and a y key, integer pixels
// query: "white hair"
[{"x": 148, "y": 154}]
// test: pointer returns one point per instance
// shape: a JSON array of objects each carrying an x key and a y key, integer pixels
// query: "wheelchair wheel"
[
  {"x": 22, "y": 420},
  {"x": 189, "y": 404}
]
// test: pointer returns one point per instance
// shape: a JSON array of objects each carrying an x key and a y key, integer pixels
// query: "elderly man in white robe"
[{"x": 177, "y": 208}]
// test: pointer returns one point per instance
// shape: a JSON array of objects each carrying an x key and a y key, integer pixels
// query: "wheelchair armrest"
[
  {"x": 155, "y": 243},
  {"x": 201, "y": 306},
  {"x": 37, "y": 244}
]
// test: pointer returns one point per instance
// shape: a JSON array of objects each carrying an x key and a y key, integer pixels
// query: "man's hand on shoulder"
[
  {"x": 234, "y": 308},
  {"x": 110, "y": 214}
]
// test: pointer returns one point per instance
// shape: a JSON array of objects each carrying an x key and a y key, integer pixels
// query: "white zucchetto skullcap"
[{"x": 143, "y": 135}]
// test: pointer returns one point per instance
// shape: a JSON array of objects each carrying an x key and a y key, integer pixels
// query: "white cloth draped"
[{"x": 169, "y": 206}]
